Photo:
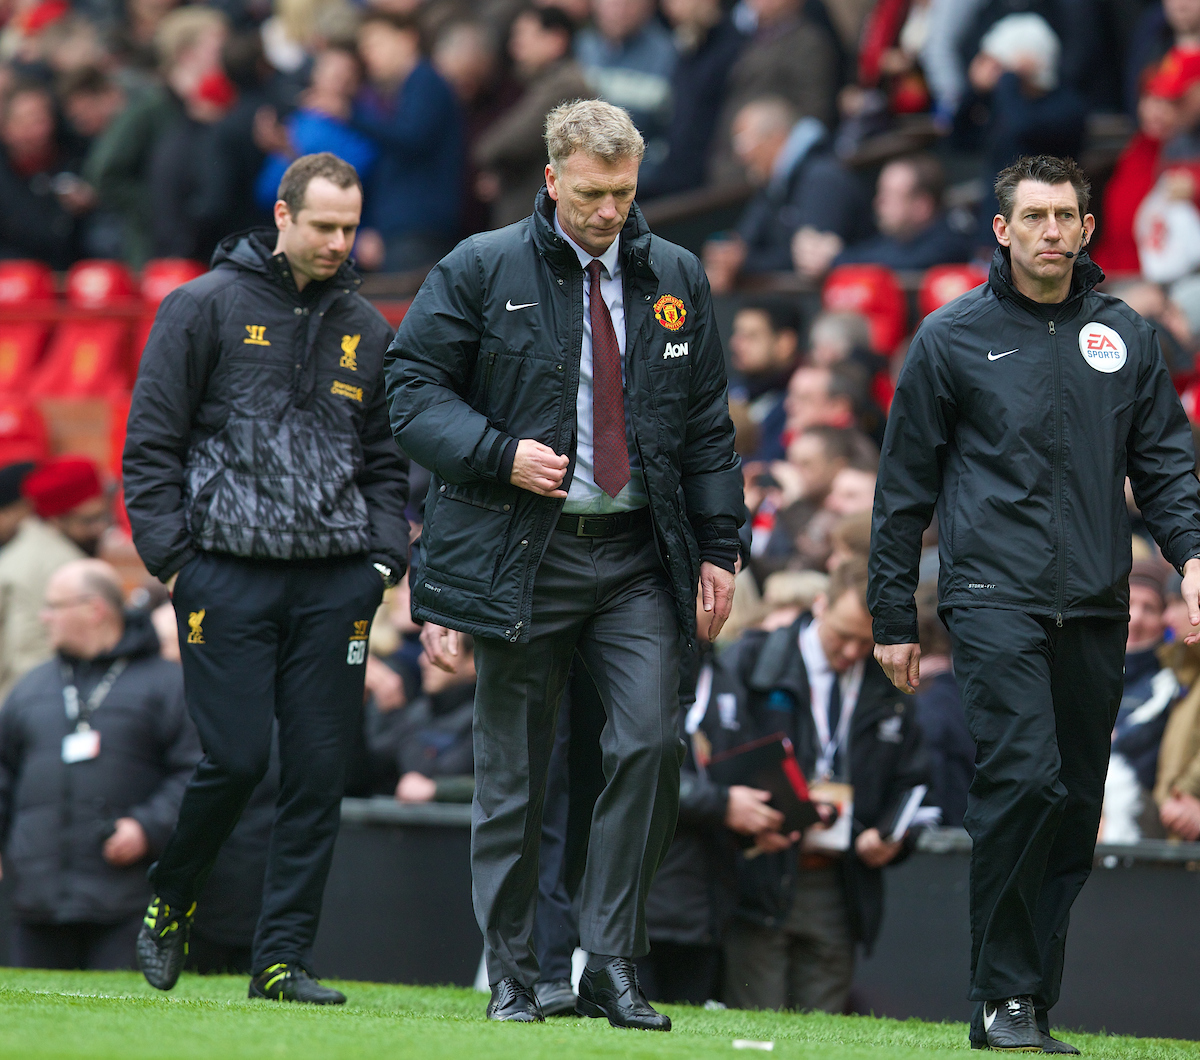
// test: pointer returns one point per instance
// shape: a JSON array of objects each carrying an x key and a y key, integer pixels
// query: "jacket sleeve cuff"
[
  {"x": 718, "y": 541},
  {"x": 507, "y": 458},
  {"x": 896, "y": 630}
]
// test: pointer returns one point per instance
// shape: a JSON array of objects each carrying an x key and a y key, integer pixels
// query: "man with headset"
[{"x": 1022, "y": 408}]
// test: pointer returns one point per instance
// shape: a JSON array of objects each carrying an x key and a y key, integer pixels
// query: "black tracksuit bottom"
[
  {"x": 260, "y": 641},
  {"x": 1040, "y": 700}
]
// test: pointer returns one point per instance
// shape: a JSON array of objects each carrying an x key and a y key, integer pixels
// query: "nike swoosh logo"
[
  {"x": 988, "y": 1020},
  {"x": 525, "y": 305},
  {"x": 997, "y": 356}
]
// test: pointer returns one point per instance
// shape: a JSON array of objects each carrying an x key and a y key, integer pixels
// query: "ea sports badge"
[
  {"x": 1102, "y": 347},
  {"x": 669, "y": 311}
]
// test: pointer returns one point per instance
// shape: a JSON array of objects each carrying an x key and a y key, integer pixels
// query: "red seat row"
[{"x": 89, "y": 343}]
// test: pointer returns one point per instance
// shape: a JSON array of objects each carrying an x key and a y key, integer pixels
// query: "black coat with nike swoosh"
[
  {"x": 489, "y": 352},
  {"x": 1019, "y": 422},
  {"x": 258, "y": 426}
]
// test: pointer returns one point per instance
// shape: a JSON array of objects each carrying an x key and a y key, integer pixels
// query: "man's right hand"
[
  {"x": 902, "y": 664},
  {"x": 747, "y": 811},
  {"x": 539, "y": 469},
  {"x": 441, "y": 646}
]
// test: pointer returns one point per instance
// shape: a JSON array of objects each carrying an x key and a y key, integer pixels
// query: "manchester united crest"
[{"x": 670, "y": 312}]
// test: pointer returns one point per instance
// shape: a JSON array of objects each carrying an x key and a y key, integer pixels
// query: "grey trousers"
[
  {"x": 608, "y": 599},
  {"x": 807, "y": 963}
]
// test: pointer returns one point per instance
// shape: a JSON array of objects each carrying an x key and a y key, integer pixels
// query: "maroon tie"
[{"x": 610, "y": 451}]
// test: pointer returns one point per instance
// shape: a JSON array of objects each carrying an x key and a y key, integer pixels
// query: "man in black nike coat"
[{"x": 1022, "y": 407}]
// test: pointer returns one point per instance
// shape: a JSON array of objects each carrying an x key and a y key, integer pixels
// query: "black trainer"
[
  {"x": 290, "y": 982},
  {"x": 1010, "y": 1025},
  {"x": 162, "y": 943}
]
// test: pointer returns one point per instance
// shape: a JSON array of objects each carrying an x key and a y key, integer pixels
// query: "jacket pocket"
[{"x": 466, "y": 533}]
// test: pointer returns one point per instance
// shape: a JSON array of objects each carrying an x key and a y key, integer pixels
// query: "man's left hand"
[
  {"x": 873, "y": 850},
  {"x": 716, "y": 596},
  {"x": 127, "y": 844},
  {"x": 1190, "y": 591}
]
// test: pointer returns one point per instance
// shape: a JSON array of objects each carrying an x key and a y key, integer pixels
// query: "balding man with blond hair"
[{"x": 95, "y": 750}]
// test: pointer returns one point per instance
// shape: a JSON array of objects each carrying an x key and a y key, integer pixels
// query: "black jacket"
[
  {"x": 1001, "y": 421},
  {"x": 466, "y": 378},
  {"x": 55, "y": 818},
  {"x": 258, "y": 426},
  {"x": 886, "y": 759}
]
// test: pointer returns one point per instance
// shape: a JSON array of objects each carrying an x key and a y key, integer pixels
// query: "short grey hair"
[{"x": 594, "y": 127}]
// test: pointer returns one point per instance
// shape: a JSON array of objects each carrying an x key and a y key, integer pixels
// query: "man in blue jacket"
[
  {"x": 414, "y": 194},
  {"x": 1022, "y": 407}
]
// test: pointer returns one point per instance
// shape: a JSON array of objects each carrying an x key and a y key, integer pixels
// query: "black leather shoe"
[
  {"x": 556, "y": 997},
  {"x": 162, "y": 943},
  {"x": 290, "y": 982},
  {"x": 1010, "y": 1025},
  {"x": 513, "y": 1002},
  {"x": 1050, "y": 1044},
  {"x": 614, "y": 991}
]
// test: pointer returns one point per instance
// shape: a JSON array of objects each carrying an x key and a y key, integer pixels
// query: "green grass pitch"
[{"x": 102, "y": 1015}]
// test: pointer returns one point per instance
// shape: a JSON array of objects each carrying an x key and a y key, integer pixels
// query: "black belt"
[{"x": 603, "y": 525}]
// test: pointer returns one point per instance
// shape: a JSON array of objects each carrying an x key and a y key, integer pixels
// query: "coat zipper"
[
  {"x": 487, "y": 380},
  {"x": 1058, "y": 474}
]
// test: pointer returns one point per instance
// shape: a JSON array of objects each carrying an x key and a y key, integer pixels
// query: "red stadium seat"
[
  {"x": 944, "y": 283},
  {"x": 875, "y": 292},
  {"x": 162, "y": 275},
  {"x": 24, "y": 283},
  {"x": 99, "y": 284},
  {"x": 87, "y": 358},
  {"x": 23, "y": 434}
]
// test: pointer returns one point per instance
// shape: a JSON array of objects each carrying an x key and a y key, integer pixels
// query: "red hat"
[
  {"x": 61, "y": 484},
  {"x": 1179, "y": 70}
]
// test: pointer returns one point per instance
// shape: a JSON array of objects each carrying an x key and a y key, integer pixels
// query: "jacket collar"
[
  {"x": 254, "y": 251},
  {"x": 1086, "y": 275},
  {"x": 635, "y": 238}
]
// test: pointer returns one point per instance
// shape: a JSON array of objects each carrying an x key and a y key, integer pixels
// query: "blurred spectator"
[
  {"x": 1177, "y": 790},
  {"x": 466, "y": 55},
  {"x": 825, "y": 395},
  {"x": 413, "y": 199},
  {"x": 511, "y": 155},
  {"x": 14, "y": 508},
  {"x": 1150, "y": 691},
  {"x": 763, "y": 350},
  {"x": 70, "y": 513},
  {"x": 889, "y": 58},
  {"x": 188, "y": 45},
  {"x": 427, "y": 744},
  {"x": 91, "y": 98},
  {"x": 1173, "y": 327},
  {"x": 708, "y": 44},
  {"x": 321, "y": 123},
  {"x": 181, "y": 170},
  {"x": 940, "y": 715},
  {"x": 791, "y": 943},
  {"x": 850, "y": 536},
  {"x": 789, "y": 56},
  {"x": 1162, "y": 26},
  {"x": 1167, "y": 105},
  {"x": 41, "y": 197},
  {"x": 80, "y": 827},
  {"x": 840, "y": 338},
  {"x": 628, "y": 58},
  {"x": 852, "y": 491},
  {"x": 802, "y": 187},
  {"x": 914, "y": 231},
  {"x": 227, "y": 204},
  {"x": 1020, "y": 105}
]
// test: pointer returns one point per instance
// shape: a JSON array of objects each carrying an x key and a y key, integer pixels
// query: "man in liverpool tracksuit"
[
  {"x": 262, "y": 480},
  {"x": 1021, "y": 409}
]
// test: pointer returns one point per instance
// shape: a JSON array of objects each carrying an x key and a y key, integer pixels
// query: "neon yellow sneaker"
[
  {"x": 291, "y": 982},
  {"x": 162, "y": 943}
]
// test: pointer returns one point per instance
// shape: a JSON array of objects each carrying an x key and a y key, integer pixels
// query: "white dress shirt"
[
  {"x": 584, "y": 497},
  {"x": 820, "y": 683}
]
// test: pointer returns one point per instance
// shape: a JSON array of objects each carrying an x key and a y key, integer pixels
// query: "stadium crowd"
[{"x": 861, "y": 134}]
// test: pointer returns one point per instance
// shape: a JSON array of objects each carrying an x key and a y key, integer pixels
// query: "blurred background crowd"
[{"x": 830, "y": 160}]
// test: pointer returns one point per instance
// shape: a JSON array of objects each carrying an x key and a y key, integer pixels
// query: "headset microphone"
[{"x": 1072, "y": 253}]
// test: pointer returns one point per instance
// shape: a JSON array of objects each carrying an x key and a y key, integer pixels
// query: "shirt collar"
[
  {"x": 610, "y": 259},
  {"x": 805, "y": 135}
]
